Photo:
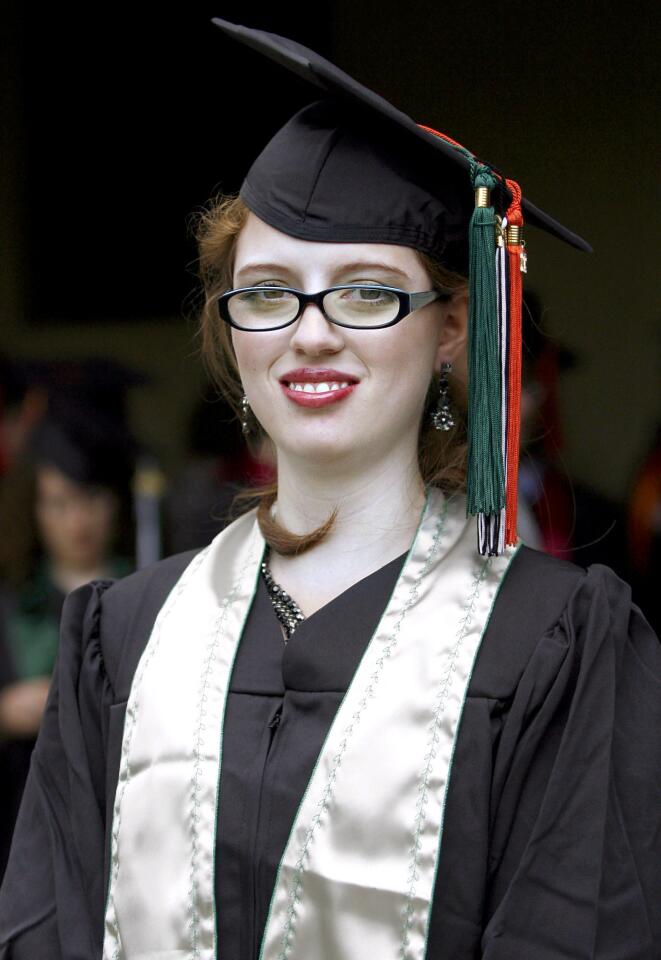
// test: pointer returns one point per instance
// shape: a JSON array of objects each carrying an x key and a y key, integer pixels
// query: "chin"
[
  {"x": 320, "y": 452},
  {"x": 310, "y": 443}
]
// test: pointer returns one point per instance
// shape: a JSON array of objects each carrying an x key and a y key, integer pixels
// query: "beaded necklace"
[{"x": 286, "y": 609}]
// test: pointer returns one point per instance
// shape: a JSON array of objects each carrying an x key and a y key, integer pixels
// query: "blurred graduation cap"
[
  {"x": 97, "y": 382},
  {"x": 351, "y": 167},
  {"x": 85, "y": 432},
  {"x": 86, "y": 448}
]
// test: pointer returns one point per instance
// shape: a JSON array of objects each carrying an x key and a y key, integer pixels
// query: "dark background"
[{"x": 120, "y": 121}]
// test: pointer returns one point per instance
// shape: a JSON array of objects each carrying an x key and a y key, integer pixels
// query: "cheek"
[
  {"x": 254, "y": 354},
  {"x": 409, "y": 355},
  {"x": 104, "y": 516},
  {"x": 52, "y": 529},
  {"x": 242, "y": 351}
]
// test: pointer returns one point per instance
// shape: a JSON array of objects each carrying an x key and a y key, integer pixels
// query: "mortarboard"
[
  {"x": 85, "y": 431},
  {"x": 86, "y": 448},
  {"x": 351, "y": 167}
]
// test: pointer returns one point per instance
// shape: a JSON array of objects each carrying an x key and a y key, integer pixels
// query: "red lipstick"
[{"x": 317, "y": 386}]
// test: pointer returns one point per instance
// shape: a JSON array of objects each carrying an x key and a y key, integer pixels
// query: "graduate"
[
  {"x": 364, "y": 721},
  {"x": 74, "y": 471}
]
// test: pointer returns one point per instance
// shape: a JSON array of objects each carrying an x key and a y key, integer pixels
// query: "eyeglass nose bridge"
[{"x": 304, "y": 301}]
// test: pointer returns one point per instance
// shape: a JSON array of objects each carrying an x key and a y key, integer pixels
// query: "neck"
[
  {"x": 378, "y": 511},
  {"x": 68, "y": 578}
]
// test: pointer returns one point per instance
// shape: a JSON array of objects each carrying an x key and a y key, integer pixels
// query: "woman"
[
  {"x": 77, "y": 475},
  {"x": 341, "y": 729}
]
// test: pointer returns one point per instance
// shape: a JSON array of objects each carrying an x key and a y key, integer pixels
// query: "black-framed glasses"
[{"x": 355, "y": 305}]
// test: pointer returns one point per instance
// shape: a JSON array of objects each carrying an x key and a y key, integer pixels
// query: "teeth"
[{"x": 318, "y": 387}]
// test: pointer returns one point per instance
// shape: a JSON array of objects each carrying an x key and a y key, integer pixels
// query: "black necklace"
[{"x": 287, "y": 610}]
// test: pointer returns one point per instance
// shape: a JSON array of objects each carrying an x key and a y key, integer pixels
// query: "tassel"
[
  {"x": 517, "y": 266},
  {"x": 494, "y": 357},
  {"x": 502, "y": 283},
  {"x": 485, "y": 482}
]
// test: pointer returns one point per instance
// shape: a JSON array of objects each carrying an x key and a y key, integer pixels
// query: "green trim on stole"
[{"x": 359, "y": 868}]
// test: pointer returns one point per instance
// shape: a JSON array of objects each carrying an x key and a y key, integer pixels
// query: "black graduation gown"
[{"x": 552, "y": 833}]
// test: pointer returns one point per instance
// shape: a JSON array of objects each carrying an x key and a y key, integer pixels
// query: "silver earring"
[
  {"x": 442, "y": 418},
  {"x": 245, "y": 415}
]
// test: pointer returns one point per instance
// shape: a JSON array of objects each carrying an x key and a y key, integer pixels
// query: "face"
[
  {"x": 387, "y": 370},
  {"x": 75, "y": 522}
]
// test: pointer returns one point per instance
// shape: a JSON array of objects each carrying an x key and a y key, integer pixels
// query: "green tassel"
[{"x": 485, "y": 480}]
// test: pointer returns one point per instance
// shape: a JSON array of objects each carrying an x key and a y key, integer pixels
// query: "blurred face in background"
[{"x": 75, "y": 521}]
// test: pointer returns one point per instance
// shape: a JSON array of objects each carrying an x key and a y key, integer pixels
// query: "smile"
[
  {"x": 318, "y": 387},
  {"x": 317, "y": 394}
]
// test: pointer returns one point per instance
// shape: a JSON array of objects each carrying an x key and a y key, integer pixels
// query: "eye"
[
  {"x": 371, "y": 294},
  {"x": 265, "y": 294},
  {"x": 272, "y": 293}
]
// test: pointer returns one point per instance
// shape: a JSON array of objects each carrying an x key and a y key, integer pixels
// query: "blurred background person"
[
  {"x": 23, "y": 404},
  {"x": 75, "y": 469},
  {"x": 557, "y": 513},
  {"x": 644, "y": 532}
]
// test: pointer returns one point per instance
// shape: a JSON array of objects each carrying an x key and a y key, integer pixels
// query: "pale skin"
[{"x": 358, "y": 455}]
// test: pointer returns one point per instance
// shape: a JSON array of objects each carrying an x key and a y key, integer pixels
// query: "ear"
[{"x": 454, "y": 333}]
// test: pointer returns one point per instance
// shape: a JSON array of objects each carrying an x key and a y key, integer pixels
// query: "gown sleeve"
[
  {"x": 575, "y": 845},
  {"x": 52, "y": 895}
]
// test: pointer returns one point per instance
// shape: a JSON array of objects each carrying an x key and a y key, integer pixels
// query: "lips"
[
  {"x": 317, "y": 386},
  {"x": 317, "y": 375}
]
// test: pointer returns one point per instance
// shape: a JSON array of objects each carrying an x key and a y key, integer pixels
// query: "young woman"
[
  {"x": 76, "y": 471},
  {"x": 341, "y": 729}
]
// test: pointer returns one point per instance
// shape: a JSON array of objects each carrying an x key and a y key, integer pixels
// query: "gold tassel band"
[{"x": 482, "y": 197}]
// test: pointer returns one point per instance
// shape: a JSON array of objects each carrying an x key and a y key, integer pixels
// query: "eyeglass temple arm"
[{"x": 422, "y": 299}]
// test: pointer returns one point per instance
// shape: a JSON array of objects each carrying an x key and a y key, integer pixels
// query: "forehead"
[
  {"x": 51, "y": 481},
  {"x": 259, "y": 244}
]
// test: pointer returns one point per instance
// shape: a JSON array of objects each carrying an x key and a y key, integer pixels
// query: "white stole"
[{"x": 358, "y": 872}]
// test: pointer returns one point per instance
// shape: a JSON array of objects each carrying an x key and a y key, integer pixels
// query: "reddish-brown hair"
[{"x": 441, "y": 455}]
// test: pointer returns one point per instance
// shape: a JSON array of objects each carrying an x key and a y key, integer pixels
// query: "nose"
[{"x": 314, "y": 335}]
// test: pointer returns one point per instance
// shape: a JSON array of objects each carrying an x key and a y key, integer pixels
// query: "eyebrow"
[{"x": 344, "y": 268}]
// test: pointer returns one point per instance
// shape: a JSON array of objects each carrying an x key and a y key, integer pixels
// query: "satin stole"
[{"x": 358, "y": 873}]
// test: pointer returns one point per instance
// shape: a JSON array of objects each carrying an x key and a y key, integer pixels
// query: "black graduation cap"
[
  {"x": 98, "y": 382},
  {"x": 85, "y": 432},
  {"x": 352, "y": 168}
]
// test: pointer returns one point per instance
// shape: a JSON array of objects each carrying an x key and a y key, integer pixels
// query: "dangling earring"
[
  {"x": 442, "y": 418},
  {"x": 245, "y": 415}
]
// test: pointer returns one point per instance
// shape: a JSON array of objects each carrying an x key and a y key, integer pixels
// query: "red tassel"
[
  {"x": 516, "y": 254},
  {"x": 444, "y": 136}
]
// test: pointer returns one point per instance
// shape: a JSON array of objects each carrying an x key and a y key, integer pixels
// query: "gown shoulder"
[
  {"x": 545, "y": 603},
  {"x": 121, "y": 613},
  {"x": 571, "y": 670}
]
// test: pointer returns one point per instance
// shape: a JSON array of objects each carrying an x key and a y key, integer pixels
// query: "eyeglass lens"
[{"x": 266, "y": 307}]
